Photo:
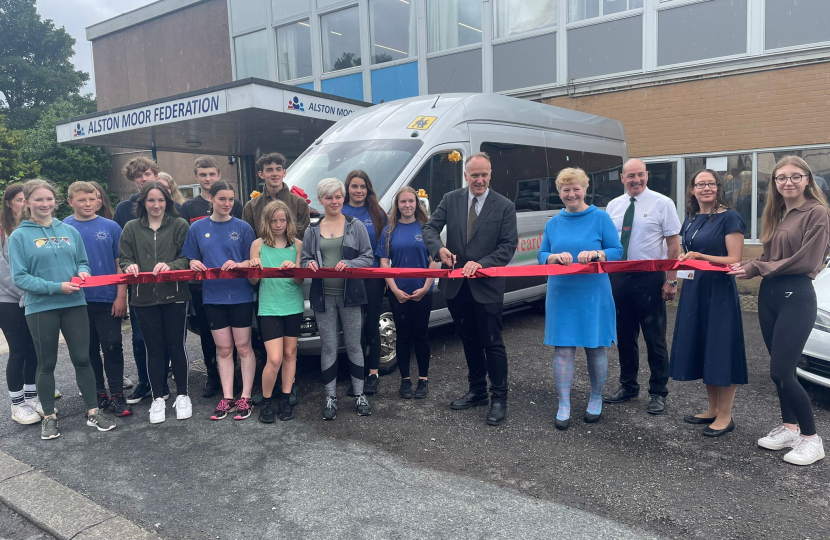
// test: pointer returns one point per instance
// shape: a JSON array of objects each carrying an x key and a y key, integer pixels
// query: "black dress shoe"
[
  {"x": 620, "y": 396},
  {"x": 657, "y": 405},
  {"x": 698, "y": 420},
  {"x": 497, "y": 414},
  {"x": 212, "y": 386},
  {"x": 562, "y": 425},
  {"x": 469, "y": 401},
  {"x": 709, "y": 432},
  {"x": 591, "y": 418}
]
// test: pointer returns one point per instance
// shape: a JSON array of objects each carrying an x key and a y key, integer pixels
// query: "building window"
[
  {"x": 251, "y": 51},
  {"x": 341, "y": 39},
  {"x": 286, "y": 9},
  {"x": 294, "y": 51},
  {"x": 817, "y": 158},
  {"x": 587, "y": 9},
  {"x": 453, "y": 23},
  {"x": 518, "y": 16},
  {"x": 247, "y": 14},
  {"x": 736, "y": 174},
  {"x": 393, "y": 30}
]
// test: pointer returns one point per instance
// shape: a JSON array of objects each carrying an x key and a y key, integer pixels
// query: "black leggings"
[
  {"x": 787, "y": 312},
  {"x": 412, "y": 327},
  {"x": 205, "y": 336},
  {"x": 105, "y": 334},
  {"x": 22, "y": 365},
  {"x": 371, "y": 318},
  {"x": 167, "y": 324}
]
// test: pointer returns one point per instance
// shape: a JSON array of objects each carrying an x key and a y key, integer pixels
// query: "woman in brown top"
[{"x": 795, "y": 231}]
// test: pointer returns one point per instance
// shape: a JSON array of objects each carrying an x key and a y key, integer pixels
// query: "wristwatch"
[{"x": 672, "y": 282}]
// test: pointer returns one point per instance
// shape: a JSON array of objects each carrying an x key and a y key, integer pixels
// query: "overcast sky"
[{"x": 76, "y": 15}]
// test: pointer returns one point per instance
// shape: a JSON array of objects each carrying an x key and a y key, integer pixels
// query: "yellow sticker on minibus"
[{"x": 422, "y": 122}]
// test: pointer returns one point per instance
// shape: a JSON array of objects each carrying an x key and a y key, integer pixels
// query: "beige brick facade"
[{"x": 779, "y": 107}]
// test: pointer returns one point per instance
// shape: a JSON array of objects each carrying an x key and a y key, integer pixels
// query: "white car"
[{"x": 814, "y": 364}]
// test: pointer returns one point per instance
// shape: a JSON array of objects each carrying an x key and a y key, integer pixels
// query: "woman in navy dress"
[
  {"x": 579, "y": 308},
  {"x": 708, "y": 339}
]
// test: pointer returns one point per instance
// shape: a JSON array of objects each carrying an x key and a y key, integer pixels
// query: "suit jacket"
[{"x": 492, "y": 243}]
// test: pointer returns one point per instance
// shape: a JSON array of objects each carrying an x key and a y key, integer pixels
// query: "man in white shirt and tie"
[{"x": 649, "y": 229}]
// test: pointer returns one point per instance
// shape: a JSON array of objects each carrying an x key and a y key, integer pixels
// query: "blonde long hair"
[
  {"x": 395, "y": 214},
  {"x": 265, "y": 233},
  {"x": 775, "y": 208},
  {"x": 175, "y": 194}
]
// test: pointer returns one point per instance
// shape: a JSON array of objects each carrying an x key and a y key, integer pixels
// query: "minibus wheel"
[{"x": 388, "y": 340}]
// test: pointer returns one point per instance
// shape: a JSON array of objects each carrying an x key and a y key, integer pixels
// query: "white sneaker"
[
  {"x": 24, "y": 414},
  {"x": 780, "y": 438},
  {"x": 38, "y": 406},
  {"x": 184, "y": 408},
  {"x": 128, "y": 383},
  {"x": 807, "y": 451},
  {"x": 157, "y": 411}
]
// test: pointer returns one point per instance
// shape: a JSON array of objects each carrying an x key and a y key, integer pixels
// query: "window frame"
[
  {"x": 275, "y": 29},
  {"x": 522, "y": 35},
  {"x": 351, "y": 69}
]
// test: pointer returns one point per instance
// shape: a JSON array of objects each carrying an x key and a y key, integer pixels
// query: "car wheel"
[{"x": 388, "y": 340}]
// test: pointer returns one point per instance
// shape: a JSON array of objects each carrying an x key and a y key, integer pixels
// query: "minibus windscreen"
[{"x": 382, "y": 160}]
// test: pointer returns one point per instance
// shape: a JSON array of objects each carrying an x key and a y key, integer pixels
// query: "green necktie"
[{"x": 625, "y": 236}]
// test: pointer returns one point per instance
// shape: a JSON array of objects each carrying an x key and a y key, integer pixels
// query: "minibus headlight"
[{"x": 822, "y": 321}]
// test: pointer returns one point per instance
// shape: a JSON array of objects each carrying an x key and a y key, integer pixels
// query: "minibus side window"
[
  {"x": 438, "y": 177},
  {"x": 604, "y": 172},
  {"x": 518, "y": 173}
]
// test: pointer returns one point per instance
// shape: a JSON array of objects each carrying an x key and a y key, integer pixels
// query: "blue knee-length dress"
[
  {"x": 708, "y": 338},
  {"x": 580, "y": 308}
]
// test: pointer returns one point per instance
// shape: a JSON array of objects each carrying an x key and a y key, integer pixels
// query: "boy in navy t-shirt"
[{"x": 106, "y": 306}]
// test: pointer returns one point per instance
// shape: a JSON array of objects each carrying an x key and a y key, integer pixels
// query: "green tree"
[
  {"x": 65, "y": 163},
  {"x": 13, "y": 167},
  {"x": 35, "y": 69}
]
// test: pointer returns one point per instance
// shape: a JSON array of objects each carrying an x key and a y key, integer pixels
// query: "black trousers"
[
  {"x": 371, "y": 316},
  {"x": 479, "y": 327},
  {"x": 22, "y": 365},
  {"x": 412, "y": 325},
  {"x": 638, "y": 297},
  {"x": 787, "y": 312},
  {"x": 105, "y": 334},
  {"x": 205, "y": 337},
  {"x": 167, "y": 324}
]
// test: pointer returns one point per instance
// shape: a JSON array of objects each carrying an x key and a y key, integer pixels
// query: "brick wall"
[{"x": 780, "y": 107}]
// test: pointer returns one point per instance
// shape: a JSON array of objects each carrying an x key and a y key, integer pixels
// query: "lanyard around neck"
[{"x": 692, "y": 239}]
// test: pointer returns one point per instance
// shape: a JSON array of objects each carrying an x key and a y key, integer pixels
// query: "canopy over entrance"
[{"x": 243, "y": 118}]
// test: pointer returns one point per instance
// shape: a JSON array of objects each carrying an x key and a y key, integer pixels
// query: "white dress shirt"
[
  {"x": 655, "y": 219},
  {"x": 479, "y": 201}
]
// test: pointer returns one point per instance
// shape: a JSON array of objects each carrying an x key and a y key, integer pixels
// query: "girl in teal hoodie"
[{"x": 44, "y": 256}]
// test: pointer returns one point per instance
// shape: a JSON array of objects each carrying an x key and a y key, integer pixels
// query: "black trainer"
[
  {"x": 330, "y": 410},
  {"x": 286, "y": 411},
  {"x": 103, "y": 401},
  {"x": 212, "y": 386},
  {"x": 119, "y": 407},
  {"x": 422, "y": 390},
  {"x": 266, "y": 412},
  {"x": 140, "y": 392},
  {"x": 406, "y": 388},
  {"x": 370, "y": 385}
]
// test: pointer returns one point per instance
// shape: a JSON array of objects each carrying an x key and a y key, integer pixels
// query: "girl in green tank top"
[{"x": 280, "y": 306}]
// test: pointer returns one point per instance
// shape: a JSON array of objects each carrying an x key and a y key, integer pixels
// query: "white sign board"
[
  {"x": 150, "y": 115},
  {"x": 316, "y": 107}
]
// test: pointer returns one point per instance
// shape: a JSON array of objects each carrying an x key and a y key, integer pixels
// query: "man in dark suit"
[{"x": 481, "y": 233}]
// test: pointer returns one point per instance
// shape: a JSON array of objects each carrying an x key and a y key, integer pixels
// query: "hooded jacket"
[
  {"x": 41, "y": 259},
  {"x": 9, "y": 293},
  {"x": 145, "y": 247},
  {"x": 357, "y": 253}
]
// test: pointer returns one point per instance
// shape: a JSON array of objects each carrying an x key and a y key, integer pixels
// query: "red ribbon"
[{"x": 377, "y": 273}]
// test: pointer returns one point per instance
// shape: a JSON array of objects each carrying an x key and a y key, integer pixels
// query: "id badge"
[{"x": 685, "y": 274}]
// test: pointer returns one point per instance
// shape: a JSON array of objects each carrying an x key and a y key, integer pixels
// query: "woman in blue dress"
[
  {"x": 579, "y": 308},
  {"x": 708, "y": 339}
]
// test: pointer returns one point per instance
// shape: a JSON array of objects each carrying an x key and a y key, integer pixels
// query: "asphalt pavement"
[{"x": 416, "y": 469}]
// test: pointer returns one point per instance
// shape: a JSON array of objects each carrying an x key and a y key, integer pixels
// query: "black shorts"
[
  {"x": 275, "y": 327},
  {"x": 221, "y": 316}
]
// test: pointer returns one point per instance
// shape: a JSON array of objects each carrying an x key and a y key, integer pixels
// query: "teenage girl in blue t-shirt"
[
  {"x": 280, "y": 305},
  {"x": 362, "y": 203},
  {"x": 223, "y": 241},
  {"x": 401, "y": 245}
]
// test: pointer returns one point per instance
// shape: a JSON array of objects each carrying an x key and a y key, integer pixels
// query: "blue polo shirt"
[
  {"x": 100, "y": 237},
  {"x": 406, "y": 250}
]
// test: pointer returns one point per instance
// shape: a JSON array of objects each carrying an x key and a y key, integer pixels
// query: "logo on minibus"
[{"x": 422, "y": 122}]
